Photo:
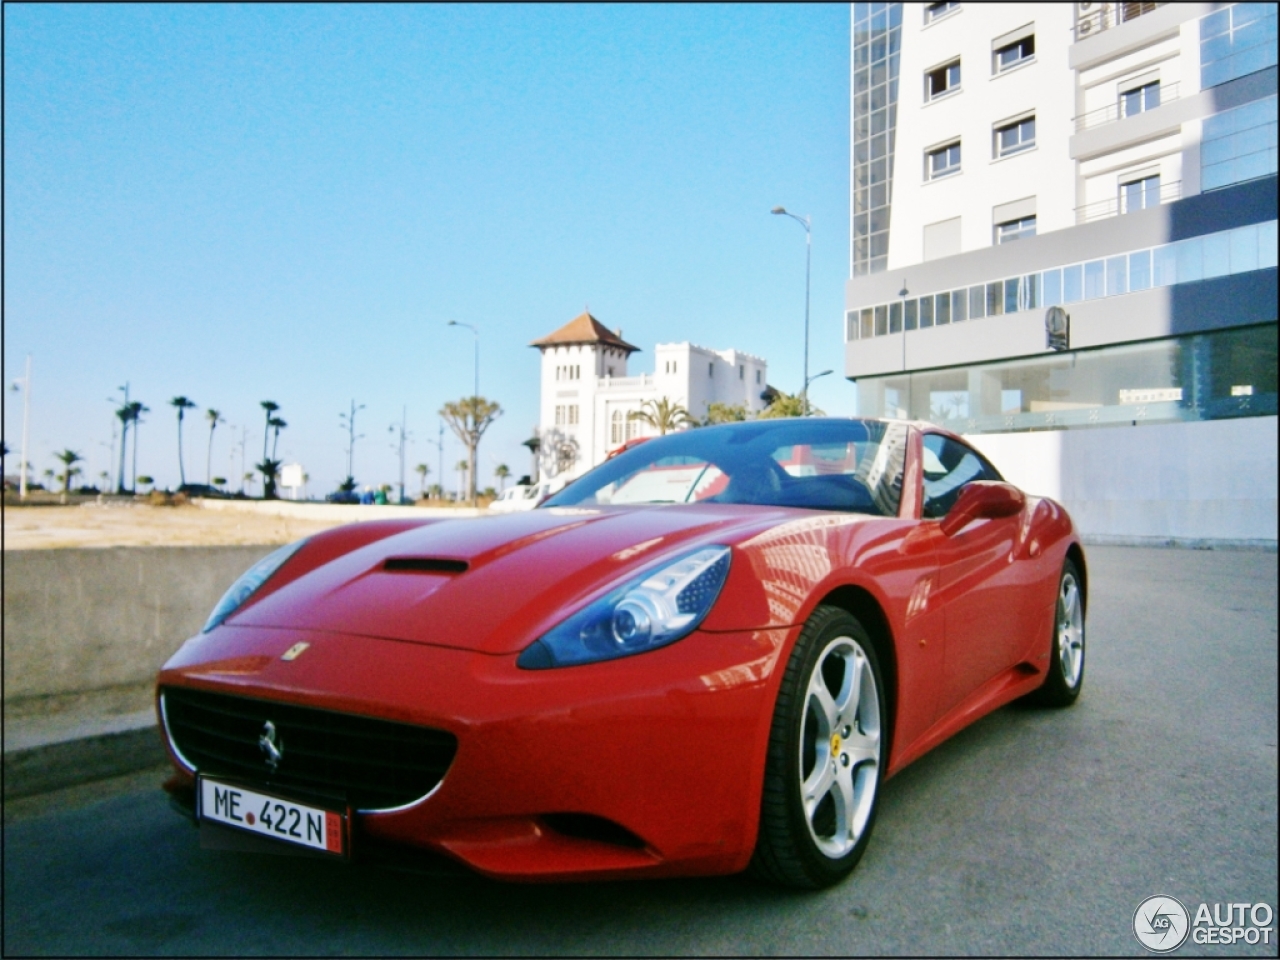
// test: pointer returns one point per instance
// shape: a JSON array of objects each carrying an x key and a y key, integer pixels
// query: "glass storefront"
[{"x": 1210, "y": 376}]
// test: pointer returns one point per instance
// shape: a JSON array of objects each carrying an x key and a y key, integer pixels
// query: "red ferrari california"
[{"x": 703, "y": 656}]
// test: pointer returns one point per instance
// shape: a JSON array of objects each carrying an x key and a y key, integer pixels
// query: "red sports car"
[{"x": 703, "y": 656}]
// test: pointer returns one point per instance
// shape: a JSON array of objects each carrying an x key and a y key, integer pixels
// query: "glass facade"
[
  {"x": 1236, "y": 42},
  {"x": 1239, "y": 144},
  {"x": 877, "y": 39},
  {"x": 1241, "y": 250},
  {"x": 1210, "y": 376}
]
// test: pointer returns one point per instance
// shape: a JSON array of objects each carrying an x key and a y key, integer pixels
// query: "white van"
[{"x": 522, "y": 497}]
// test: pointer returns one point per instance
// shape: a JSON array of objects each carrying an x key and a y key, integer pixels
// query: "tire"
[
  {"x": 1065, "y": 675},
  {"x": 827, "y": 749}
]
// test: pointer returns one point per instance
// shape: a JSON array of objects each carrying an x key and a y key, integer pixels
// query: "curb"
[{"x": 73, "y": 762}]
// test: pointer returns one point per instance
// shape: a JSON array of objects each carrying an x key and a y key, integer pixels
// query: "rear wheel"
[
  {"x": 1065, "y": 675},
  {"x": 826, "y": 756}
]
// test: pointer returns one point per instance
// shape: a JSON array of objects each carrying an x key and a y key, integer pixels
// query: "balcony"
[
  {"x": 1114, "y": 206},
  {"x": 1093, "y": 18},
  {"x": 1112, "y": 111}
]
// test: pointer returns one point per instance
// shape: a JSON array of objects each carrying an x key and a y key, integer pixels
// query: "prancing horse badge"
[{"x": 294, "y": 652}]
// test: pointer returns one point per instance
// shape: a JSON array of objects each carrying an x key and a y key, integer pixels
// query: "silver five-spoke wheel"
[
  {"x": 1070, "y": 629},
  {"x": 1065, "y": 675},
  {"x": 828, "y": 746},
  {"x": 839, "y": 750}
]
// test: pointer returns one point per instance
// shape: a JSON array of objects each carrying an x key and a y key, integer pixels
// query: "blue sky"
[{"x": 242, "y": 203}]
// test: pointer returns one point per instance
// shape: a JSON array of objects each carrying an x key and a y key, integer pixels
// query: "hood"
[{"x": 493, "y": 584}]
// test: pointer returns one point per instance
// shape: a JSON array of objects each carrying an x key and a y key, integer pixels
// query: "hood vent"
[{"x": 424, "y": 565}]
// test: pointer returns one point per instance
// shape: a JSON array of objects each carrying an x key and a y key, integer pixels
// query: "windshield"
[{"x": 849, "y": 465}]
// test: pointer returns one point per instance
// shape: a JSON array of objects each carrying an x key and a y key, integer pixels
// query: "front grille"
[{"x": 371, "y": 764}]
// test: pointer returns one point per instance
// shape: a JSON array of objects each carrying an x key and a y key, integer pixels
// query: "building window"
[
  {"x": 942, "y": 80},
  {"x": 559, "y": 415},
  {"x": 1140, "y": 99},
  {"x": 573, "y": 414},
  {"x": 742, "y": 372},
  {"x": 1239, "y": 144},
  {"x": 1237, "y": 41},
  {"x": 1016, "y": 229},
  {"x": 936, "y": 11},
  {"x": 1015, "y": 54},
  {"x": 757, "y": 377},
  {"x": 1140, "y": 194},
  {"x": 942, "y": 161},
  {"x": 615, "y": 427},
  {"x": 1015, "y": 137},
  {"x": 711, "y": 369}
]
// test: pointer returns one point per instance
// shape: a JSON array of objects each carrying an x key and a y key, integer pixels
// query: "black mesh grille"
[{"x": 371, "y": 764}]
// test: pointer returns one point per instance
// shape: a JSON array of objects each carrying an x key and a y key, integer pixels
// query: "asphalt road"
[{"x": 1030, "y": 833}]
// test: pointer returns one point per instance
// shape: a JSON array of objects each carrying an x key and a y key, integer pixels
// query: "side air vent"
[{"x": 424, "y": 565}]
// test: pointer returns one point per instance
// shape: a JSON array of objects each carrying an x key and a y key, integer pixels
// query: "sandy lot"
[{"x": 140, "y": 525}]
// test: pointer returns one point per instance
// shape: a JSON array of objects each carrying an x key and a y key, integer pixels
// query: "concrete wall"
[
  {"x": 1200, "y": 480},
  {"x": 78, "y": 620}
]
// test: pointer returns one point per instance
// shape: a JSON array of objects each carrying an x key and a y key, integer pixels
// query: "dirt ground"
[{"x": 141, "y": 525}]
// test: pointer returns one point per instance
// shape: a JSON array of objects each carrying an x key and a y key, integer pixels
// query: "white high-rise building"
[
  {"x": 1063, "y": 244},
  {"x": 588, "y": 394}
]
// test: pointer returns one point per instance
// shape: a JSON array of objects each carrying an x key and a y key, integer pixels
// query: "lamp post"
[
  {"x": 476, "y": 334},
  {"x": 351, "y": 436},
  {"x": 404, "y": 412},
  {"x": 25, "y": 381},
  {"x": 475, "y": 413},
  {"x": 903, "y": 293},
  {"x": 808, "y": 257}
]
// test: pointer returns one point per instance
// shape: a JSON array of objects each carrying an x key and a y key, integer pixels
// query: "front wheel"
[
  {"x": 1065, "y": 675},
  {"x": 827, "y": 749}
]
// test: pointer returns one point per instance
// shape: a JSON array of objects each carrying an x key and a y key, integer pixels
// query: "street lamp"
[
  {"x": 25, "y": 381},
  {"x": 808, "y": 256},
  {"x": 476, "y": 334},
  {"x": 404, "y": 435},
  {"x": 351, "y": 437},
  {"x": 904, "y": 293},
  {"x": 809, "y": 381}
]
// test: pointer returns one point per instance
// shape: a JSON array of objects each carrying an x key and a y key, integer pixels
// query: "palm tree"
[
  {"x": 125, "y": 415},
  {"x": 136, "y": 410},
  {"x": 462, "y": 466},
  {"x": 270, "y": 407},
  {"x": 663, "y": 415},
  {"x": 214, "y": 417},
  {"x": 469, "y": 418},
  {"x": 788, "y": 405},
  {"x": 68, "y": 457},
  {"x": 422, "y": 470},
  {"x": 277, "y": 424},
  {"x": 502, "y": 472},
  {"x": 724, "y": 413},
  {"x": 269, "y": 469},
  {"x": 183, "y": 405}
]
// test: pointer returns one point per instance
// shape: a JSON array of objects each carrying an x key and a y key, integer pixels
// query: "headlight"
[
  {"x": 651, "y": 611},
  {"x": 249, "y": 581}
]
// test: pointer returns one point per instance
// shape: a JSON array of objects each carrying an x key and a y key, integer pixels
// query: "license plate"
[{"x": 272, "y": 816}]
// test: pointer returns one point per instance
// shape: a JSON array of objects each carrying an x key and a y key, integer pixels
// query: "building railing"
[
  {"x": 623, "y": 383},
  {"x": 1112, "y": 206},
  {"x": 1093, "y": 18},
  {"x": 1111, "y": 112}
]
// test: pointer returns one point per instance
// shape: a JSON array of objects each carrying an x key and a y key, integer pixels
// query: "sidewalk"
[{"x": 56, "y": 742}]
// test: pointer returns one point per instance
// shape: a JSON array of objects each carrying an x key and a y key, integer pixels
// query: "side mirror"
[{"x": 981, "y": 500}]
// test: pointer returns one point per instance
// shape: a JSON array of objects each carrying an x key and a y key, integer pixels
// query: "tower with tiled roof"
[{"x": 588, "y": 394}]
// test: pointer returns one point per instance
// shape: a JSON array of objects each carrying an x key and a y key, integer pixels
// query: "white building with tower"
[{"x": 588, "y": 394}]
